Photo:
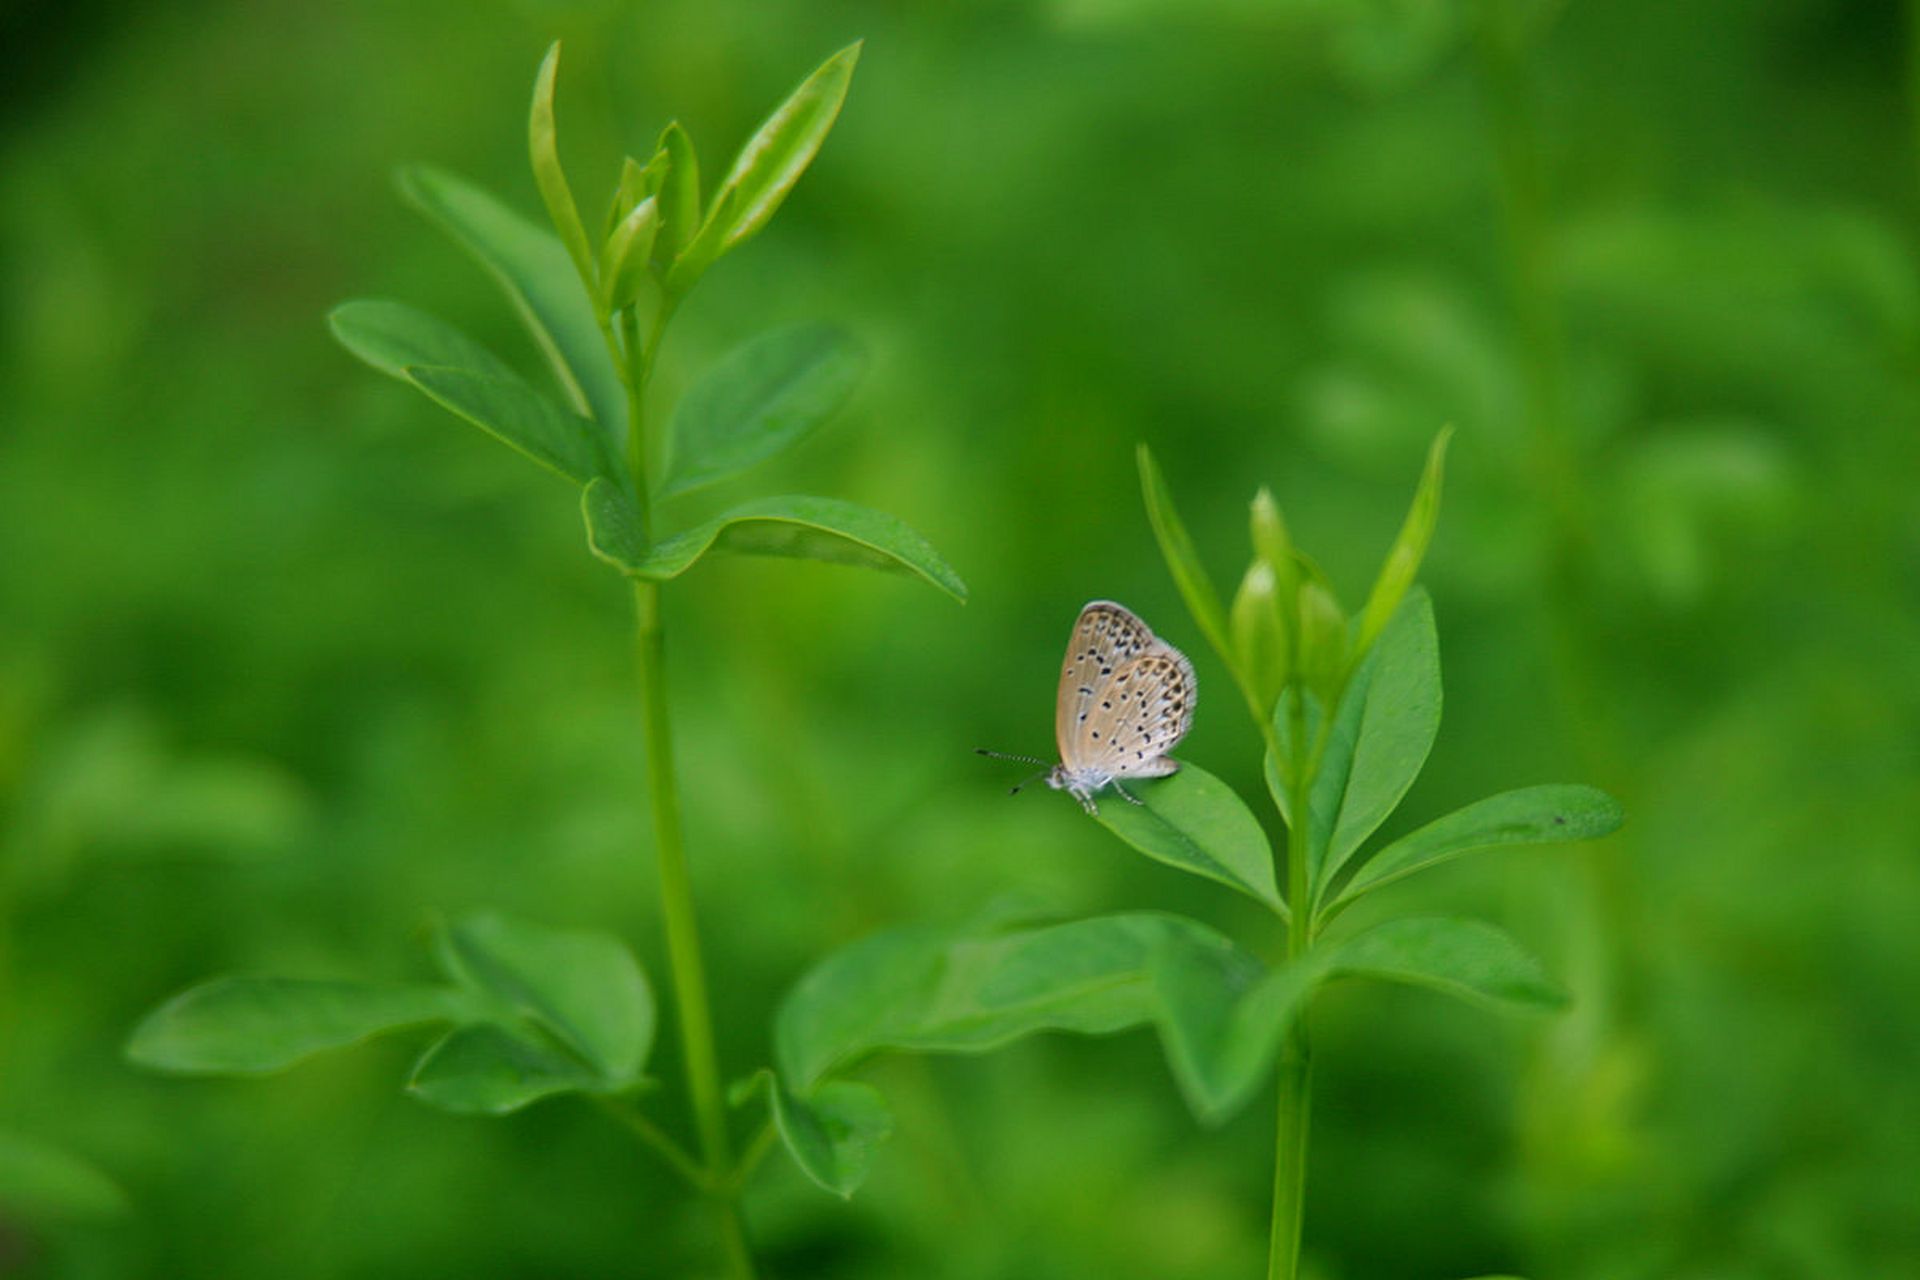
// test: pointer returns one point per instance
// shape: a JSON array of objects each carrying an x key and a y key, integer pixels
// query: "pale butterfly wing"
[{"x": 1126, "y": 696}]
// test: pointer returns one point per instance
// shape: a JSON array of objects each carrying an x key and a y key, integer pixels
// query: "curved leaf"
[
  {"x": 544, "y": 153},
  {"x": 833, "y": 1132},
  {"x": 485, "y": 1070},
  {"x": 514, "y": 413},
  {"x": 250, "y": 1026},
  {"x": 1196, "y": 822},
  {"x": 1553, "y": 814},
  {"x": 616, "y": 529},
  {"x": 764, "y": 396},
  {"x": 539, "y": 279},
  {"x": 806, "y": 528},
  {"x": 769, "y": 165}
]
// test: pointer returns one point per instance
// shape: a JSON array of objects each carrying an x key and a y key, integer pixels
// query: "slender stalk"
[
  {"x": 1295, "y": 1069},
  {"x": 684, "y": 960}
]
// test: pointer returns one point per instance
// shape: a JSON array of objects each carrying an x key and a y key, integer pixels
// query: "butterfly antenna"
[{"x": 1045, "y": 768}]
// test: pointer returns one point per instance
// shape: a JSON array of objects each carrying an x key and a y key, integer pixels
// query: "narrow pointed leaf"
[
  {"x": 763, "y": 397},
  {"x": 516, "y": 414},
  {"x": 1402, "y": 564},
  {"x": 1183, "y": 561},
  {"x": 768, "y": 166},
  {"x": 1379, "y": 739},
  {"x": 1194, "y": 821},
  {"x": 616, "y": 530},
  {"x": 543, "y": 151},
  {"x": 1469, "y": 959},
  {"x": 1530, "y": 815},
  {"x": 485, "y": 1070},
  {"x": 583, "y": 988},
  {"x": 539, "y": 278},
  {"x": 250, "y": 1026},
  {"x": 807, "y": 528}
]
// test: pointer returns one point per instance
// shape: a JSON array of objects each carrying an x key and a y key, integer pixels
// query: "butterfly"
[{"x": 1126, "y": 699}]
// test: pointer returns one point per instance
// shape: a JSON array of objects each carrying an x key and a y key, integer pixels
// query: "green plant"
[
  {"x": 530, "y": 1011},
  {"x": 1348, "y": 709}
]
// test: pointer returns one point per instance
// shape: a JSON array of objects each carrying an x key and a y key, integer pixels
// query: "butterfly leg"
[
  {"x": 1086, "y": 802},
  {"x": 1127, "y": 795}
]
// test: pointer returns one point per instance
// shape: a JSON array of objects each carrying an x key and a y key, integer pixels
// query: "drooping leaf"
[
  {"x": 832, "y": 1132},
  {"x": 1222, "y": 1022},
  {"x": 543, "y": 151},
  {"x": 1402, "y": 564},
  {"x": 806, "y": 528},
  {"x": 1379, "y": 738},
  {"x": 485, "y": 1070},
  {"x": 42, "y": 1182},
  {"x": 1183, "y": 561},
  {"x": 1530, "y": 815},
  {"x": 768, "y": 166},
  {"x": 516, "y": 414},
  {"x": 616, "y": 529},
  {"x": 249, "y": 1026},
  {"x": 945, "y": 991},
  {"x": 534, "y": 269},
  {"x": 1469, "y": 959},
  {"x": 763, "y": 397},
  {"x": 1196, "y": 822},
  {"x": 583, "y": 988}
]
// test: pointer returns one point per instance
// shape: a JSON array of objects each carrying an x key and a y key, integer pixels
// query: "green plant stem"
[
  {"x": 656, "y": 1138},
  {"x": 1294, "y": 1102},
  {"x": 684, "y": 960}
]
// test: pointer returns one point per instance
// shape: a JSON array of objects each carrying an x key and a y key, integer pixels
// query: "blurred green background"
[{"x": 291, "y": 662}]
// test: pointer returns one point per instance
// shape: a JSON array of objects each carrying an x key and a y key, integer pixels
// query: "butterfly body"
[{"x": 1126, "y": 699}]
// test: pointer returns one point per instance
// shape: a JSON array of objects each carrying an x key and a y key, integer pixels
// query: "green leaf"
[
  {"x": 516, "y": 414},
  {"x": 1531, "y": 815},
  {"x": 1196, "y": 822},
  {"x": 486, "y": 1070},
  {"x": 627, "y": 193},
  {"x": 763, "y": 397},
  {"x": 1468, "y": 959},
  {"x": 1183, "y": 561},
  {"x": 806, "y": 528},
  {"x": 249, "y": 1026},
  {"x": 1322, "y": 655},
  {"x": 39, "y": 1181},
  {"x": 768, "y": 166},
  {"x": 1379, "y": 739},
  {"x": 616, "y": 530},
  {"x": 1222, "y": 1021},
  {"x": 394, "y": 337},
  {"x": 833, "y": 1132},
  {"x": 543, "y": 151},
  {"x": 629, "y": 250},
  {"x": 1402, "y": 564},
  {"x": 539, "y": 278},
  {"x": 1289, "y": 750},
  {"x": 943, "y": 991},
  {"x": 582, "y": 987},
  {"x": 679, "y": 195}
]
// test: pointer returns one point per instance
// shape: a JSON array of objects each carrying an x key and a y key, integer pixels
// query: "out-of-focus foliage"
[{"x": 291, "y": 666}]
